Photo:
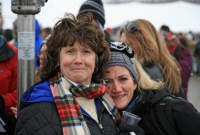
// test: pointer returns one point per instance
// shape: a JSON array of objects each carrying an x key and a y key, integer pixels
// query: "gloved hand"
[{"x": 126, "y": 129}]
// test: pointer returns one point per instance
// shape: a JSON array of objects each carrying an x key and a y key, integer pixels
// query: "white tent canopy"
[
  {"x": 149, "y": 1},
  {"x": 179, "y": 16}
]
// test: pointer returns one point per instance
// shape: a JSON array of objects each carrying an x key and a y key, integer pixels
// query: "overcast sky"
[{"x": 179, "y": 16}]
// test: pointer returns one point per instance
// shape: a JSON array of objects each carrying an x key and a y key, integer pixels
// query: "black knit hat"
[
  {"x": 165, "y": 28},
  {"x": 96, "y": 8}
]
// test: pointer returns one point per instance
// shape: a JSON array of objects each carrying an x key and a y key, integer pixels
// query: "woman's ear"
[{"x": 134, "y": 84}]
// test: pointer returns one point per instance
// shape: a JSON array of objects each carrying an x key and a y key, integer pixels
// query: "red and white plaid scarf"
[{"x": 65, "y": 92}]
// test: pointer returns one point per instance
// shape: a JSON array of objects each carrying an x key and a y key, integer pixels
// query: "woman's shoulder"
[
  {"x": 44, "y": 115},
  {"x": 154, "y": 72},
  {"x": 40, "y": 92}
]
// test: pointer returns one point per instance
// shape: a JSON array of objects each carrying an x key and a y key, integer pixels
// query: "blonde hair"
[
  {"x": 154, "y": 51},
  {"x": 145, "y": 82}
]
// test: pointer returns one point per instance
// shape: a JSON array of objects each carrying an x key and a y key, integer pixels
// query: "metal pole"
[
  {"x": 26, "y": 52},
  {"x": 26, "y": 10}
]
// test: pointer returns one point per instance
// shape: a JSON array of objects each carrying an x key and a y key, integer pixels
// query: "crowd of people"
[{"x": 85, "y": 80}]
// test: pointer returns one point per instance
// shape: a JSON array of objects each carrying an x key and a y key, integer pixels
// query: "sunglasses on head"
[{"x": 132, "y": 26}]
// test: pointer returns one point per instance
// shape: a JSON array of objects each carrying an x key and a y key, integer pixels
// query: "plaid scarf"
[{"x": 65, "y": 92}]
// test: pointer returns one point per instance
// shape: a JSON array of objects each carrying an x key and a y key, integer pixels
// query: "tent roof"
[{"x": 179, "y": 16}]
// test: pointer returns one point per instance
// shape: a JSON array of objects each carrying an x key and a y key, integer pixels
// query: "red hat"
[{"x": 172, "y": 41}]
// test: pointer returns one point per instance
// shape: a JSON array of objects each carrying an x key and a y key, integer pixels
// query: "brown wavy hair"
[
  {"x": 153, "y": 51},
  {"x": 66, "y": 32}
]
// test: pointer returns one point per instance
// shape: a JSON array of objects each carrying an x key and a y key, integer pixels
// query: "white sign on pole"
[{"x": 26, "y": 45}]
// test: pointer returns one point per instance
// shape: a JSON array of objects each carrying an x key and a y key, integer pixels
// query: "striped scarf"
[{"x": 65, "y": 92}]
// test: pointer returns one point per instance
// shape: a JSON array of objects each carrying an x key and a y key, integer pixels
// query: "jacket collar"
[{"x": 6, "y": 52}]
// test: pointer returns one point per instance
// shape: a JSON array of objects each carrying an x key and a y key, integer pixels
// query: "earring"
[
  {"x": 57, "y": 68},
  {"x": 96, "y": 69}
]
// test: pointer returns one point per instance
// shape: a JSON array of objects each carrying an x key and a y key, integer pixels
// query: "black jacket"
[
  {"x": 156, "y": 74},
  {"x": 41, "y": 118},
  {"x": 185, "y": 118},
  {"x": 183, "y": 114}
]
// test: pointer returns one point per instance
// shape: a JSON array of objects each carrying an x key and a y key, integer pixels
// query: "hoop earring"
[
  {"x": 96, "y": 69},
  {"x": 57, "y": 68}
]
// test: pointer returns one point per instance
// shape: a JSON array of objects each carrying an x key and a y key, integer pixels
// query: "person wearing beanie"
[
  {"x": 133, "y": 91},
  {"x": 97, "y": 9},
  {"x": 183, "y": 56}
]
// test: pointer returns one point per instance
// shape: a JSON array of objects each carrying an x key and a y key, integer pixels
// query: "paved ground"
[{"x": 194, "y": 91}]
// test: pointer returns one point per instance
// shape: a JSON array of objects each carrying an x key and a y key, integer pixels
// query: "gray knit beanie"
[
  {"x": 121, "y": 55},
  {"x": 96, "y": 8}
]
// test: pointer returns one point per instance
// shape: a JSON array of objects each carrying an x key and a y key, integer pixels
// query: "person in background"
[
  {"x": 152, "y": 53},
  {"x": 14, "y": 40},
  {"x": 69, "y": 100},
  {"x": 41, "y": 55},
  {"x": 8, "y": 84},
  {"x": 38, "y": 39},
  {"x": 183, "y": 39},
  {"x": 164, "y": 29},
  {"x": 38, "y": 42},
  {"x": 45, "y": 32},
  {"x": 133, "y": 91},
  {"x": 96, "y": 8},
  {"x": 182, "y": 55},
  {"x": 197, "y": 55},
  {"x": 191, "y": 46}
]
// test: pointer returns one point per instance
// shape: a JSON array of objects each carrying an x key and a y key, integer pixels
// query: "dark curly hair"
[{"x": 66, "y": 32}]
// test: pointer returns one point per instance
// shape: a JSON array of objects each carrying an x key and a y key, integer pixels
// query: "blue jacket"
[{"x": 38, "y": 42}]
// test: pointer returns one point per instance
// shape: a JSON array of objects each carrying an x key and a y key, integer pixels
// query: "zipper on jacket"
[
  {"x": 100, "y": 120},
  {"x": 100, "y": 125}
]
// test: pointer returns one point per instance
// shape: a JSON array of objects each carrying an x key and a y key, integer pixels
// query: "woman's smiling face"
[{"x": 121, "y": 85}]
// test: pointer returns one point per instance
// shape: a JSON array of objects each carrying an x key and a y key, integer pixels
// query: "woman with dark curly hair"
[{"x": 69, "y": 100}]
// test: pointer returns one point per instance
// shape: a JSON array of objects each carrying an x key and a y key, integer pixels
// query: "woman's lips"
[{"x": 118, "y": 96}]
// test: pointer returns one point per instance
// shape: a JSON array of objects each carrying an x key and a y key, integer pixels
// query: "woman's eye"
[
  {"x": 123, "y": 79},
  {"x": 69, "y": 51},
  {"x": 86, "y": 51},
  {"x": 107, "y": 82}
]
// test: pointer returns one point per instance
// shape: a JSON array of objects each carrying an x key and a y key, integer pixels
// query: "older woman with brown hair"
[{"x": 69, "y": 100}]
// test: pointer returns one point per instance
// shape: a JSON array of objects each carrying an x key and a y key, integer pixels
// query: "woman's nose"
[
  {"x": 78, "y": 59},
  {"x": 116, "y": 88}
]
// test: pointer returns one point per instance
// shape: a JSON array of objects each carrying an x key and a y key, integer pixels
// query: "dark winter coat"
[
  {"x": 38, "y": 115},
  {"x": 156, "y": 74},
  {"x": 183, "y": 114},
  {"x": 185, "y": 117},
  {"x": 182, "y": 55}
]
